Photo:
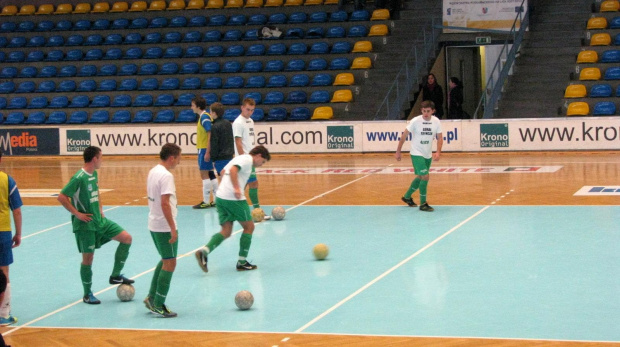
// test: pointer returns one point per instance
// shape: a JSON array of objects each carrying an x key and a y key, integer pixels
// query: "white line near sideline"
[{"x": 367, "y": 285}]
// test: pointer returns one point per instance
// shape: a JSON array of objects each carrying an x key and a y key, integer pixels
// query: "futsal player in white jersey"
[
  {"x": 245, "y": 140},
  {"x": 424, "y": 129}
]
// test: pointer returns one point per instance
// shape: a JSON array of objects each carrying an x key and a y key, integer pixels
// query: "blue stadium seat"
[
  {"x": 319, "y": 97},
  {"x": 322, "y": 79},
  {"x": 231, "y": 67},
  {"x": 107, "y": 70},
  {"x": 164, "y": 116},
  {"x": 296, "y": 97},
  {"x": 7, "y": 87},
  {"x": 94, "y": 54},
  {"x": 121, "y": 116},
  {"x": 171, "y": 37},
  {"x": 604, "y": 108},
  {"x": 237, "y": 19},
  {"x": 128, "y": 70},
  {"x": 341, "y": 47},
  {"x": 190, "y": 68},
  {"x": 185, "y": 99},
  {"x": 36, "y": 41},
  {"x": 100, "y": 101},
  {"x": 177, "y": 22},
  {"x": 169, "y": 69},
  {"x": 56, "y": 117},
  {"x": 63, "y": 25},
  {"x": 617, "y": 40},
  {"x": 17, "y": 42},
  {"x": 74, "y": 40},
  {"x": 101, "y": 116},
  {"x": 319, "y": 48},
  {"x": 87, "y": 70},
  {"x": 101, "y": 24},
  {"x": 213, "y": 83},
  {"x": 152, "y": 38},
  {"x": 317, "y": 17},
  {"x": 26, "y": 87},
  {"x": 233, "y": 82},
  {"x": 300, "y": 113},
  {"x": 192, "y": 36},
  {"x": 232, "y": 35},
  {"x": 153, "y": 53},
  {"x": 25, "y": 26},
  {"x": 612, "y": 73},
  {"x": 83, "y": 24},
  {"x": 212, "y": 36},
  {"x": 297, "y": 17},
  {"x": 197, "y": 21},
  {"x": 8, "y": 72},
  {"x": 3, "y": 41},
  {"x": 256, "y": 49},
  {"x": 173, "y": 52},
  {"x": 340, "y": 64},
  {"x": 79, "y": 101},
  {"x": 258, "y": 115},
  {"x": 159, "y": 22},
  {"x": 276, "y": 49},
  {"x": 274, "y": 66},
  {"x": 139, "y": 23},
  {"x": 250, "y": 35},
  {"x": 211, "y": 67},
  {"x": 46, "y": 87},
  {"x": 611, "y": 56},
  {"x": 274, "y": 98},
  {"x": 128, "y": 84},
  {"x": 191, "y": 83},
  {"x": 256, "y": 96},
  {"x": 28, "y": 72},
  {"x": 78, "y": 117},
  {"x": 294, "y": 33},
  {"x": 277, "y": 18},
  {"x": 358, "y": 31},
  {"x": 210, "y": 98},
  {"x": 276, "y": 114},
  {"x": 164, "y": 100},
  {"x": 299, "y": 80},
  {"x": 107, "y": 85},
  {"x": 149, "y": 84},
  {"x": 234, "y": 51},
  {"x": 148, "y": 69},
  {"x": 59, "y": 102},
  {"x": 87, "y": 86},
  {"x": 2, "y": 103},
  {"x": 257, "y": 19},
  {"x": 186, "y": 116},
  {"x": 614, "y": 23},
  {"x": 295, "y": 65},
  {"x": 143, "y": 100},
  {"x": 35, "y": 56},
  {"x": 255, "y": 82},
  {"x": 297, "y": 48},
  {"x": 133, "y": 53},
  {"x": 38, "y": 102},
  {"x": 214, "y": 51},
  {"x": 113, "y": 39},
  {"x": 55, "y": 41},
  {"x": 142, "y": 116},
  {"x": 600, "y": 91},
  {"x": 113, "y": 54},
  {"x": 35, "y": 118},
  {"x": 315, "y": 33},
  {"x": 276, "y": 81},
  {"x": 252, "y": 66},
  {"x": 55, "y": 55},
  {"x": 15, "y": 118},
  {"x": 338, "y": 16},
  {"x": 93, "y": 40},
  {"x": 169, "y": 84},
  {"x": 122, "y": 100},
  {"x": 231, "y": 98},
  {"x": 335, "y": 32},
  {"x": 45, "y": 25},
  {"x": 231, "y": 114},
  {"x": 359, "y": 15},
  {"x": 132, "y": 39},
  {"x": 217, "y": 20},
  {"x": 120, "y": 23},
  {"x": 66, "y": 86},
  {"x": 7, "y": 27}
]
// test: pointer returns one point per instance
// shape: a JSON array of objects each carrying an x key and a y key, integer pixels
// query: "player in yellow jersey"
[{"x": 205, "y": 165}]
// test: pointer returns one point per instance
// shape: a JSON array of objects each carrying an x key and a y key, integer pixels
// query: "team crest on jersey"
[{"x": 90, "y": 187}]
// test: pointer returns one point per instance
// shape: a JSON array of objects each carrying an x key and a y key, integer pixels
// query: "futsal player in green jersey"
[
  {"x": 424, "y": 129},
  {"x": 232, "y": 206},
  {"x": 92, "y": 230}
]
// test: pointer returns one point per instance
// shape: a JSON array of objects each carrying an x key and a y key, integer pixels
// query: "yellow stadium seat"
[
  {"x": 254, "y": 3},
  {"x": 361, "y": 63},
  {"x": 601, "y": 39},
  {"x": 597, "y": 23},
  {"x": 590, "y": 74},
  {"x": 578, "y": 109},
  {"x": 138, "y": 6},
  {"x": 64, "y": 9},
  {"x": 380, "y": 14},
  {"x": 119, "y": 6},
  {"x": 195, "y": 5},
  {"x": 9, "y": 10},
  {"x": 323, "y": 113},
  {"x": 101, "y": 7},
  {"x": 273, "y": 3},
  {"x": 313, "y": 2},
  {"x": 26, "y": 10},
  {"x": 234, "y": 4},
  {"x": 378, "y": 30},
  {"x": 157, "y": 5},
  {"x": 362, "y": 47},
  {"x": 45, "y": 9},
  {"x": 215, "y": 4},
  {"x": 82, "y": 8},
  {"x": 294, "y": 2},
  {"x": 344, "y": 79},
  {"x": 330, "y": 2},
  {"x": 176, "y": 5},
  {"x": 587, "y": 57},
  {"x": 610, "y": 6},
  {"x": 342, "y": 95},
  {"x": 575, "y": 91}
]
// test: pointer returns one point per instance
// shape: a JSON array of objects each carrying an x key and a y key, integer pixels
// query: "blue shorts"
[
  {"x": 202, "y": 164},
  {"x": 220, "y": 164},
  {"x": 6, "y": 248}
]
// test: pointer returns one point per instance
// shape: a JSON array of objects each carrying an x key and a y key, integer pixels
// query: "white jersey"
[
  {"x": 244, "y": 128},
  {"x": 226, "y": 190},
  {"x": 160, "y": 182},
  {"x": 423, "y": 133}
]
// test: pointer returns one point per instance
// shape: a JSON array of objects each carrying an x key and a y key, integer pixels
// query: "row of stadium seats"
[
  {"x": 581, "y": 108},
  {"x": 594, "y": 74},
  {"x": 146, "y": 100},
  {"x": 591, "y": 57},
  {"x": 602, "y": 90},
  {"x": 596, "y": 23},
  {"x": 181, "y": 21}
]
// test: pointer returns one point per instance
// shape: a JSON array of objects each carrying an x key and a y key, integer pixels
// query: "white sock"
[
  {"x": 206, "y": 190},
  {"x": 215, "y": 185},
  {"x": 5, "y": 306}
]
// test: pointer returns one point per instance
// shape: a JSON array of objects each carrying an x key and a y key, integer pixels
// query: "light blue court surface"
[{"x": 527, "y": 272}]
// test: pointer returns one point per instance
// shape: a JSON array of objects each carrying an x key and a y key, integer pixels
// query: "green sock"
[
  {"x": 254, "y": 197},
  {"x": 155, "y": 279},
  {"x": 86, "y": 273},
  {"x": 122, "y": 252},
  {"x": 244, "y": 245},
  {"x": 215, "y": 241},
  {"x": 163, "y": 285},
  {"x": 423, "y": 185},
  {"x": 413, "y": 187}
]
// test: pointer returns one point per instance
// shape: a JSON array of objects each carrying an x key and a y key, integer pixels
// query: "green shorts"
[
  {"x": 421, "y": 165},
  {"x": 165, "y": 249},
  {"x": 232, "y": 210},
  {"x": 89, "y": 240}
]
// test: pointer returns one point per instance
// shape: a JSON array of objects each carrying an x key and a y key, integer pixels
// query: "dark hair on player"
[
  {"x": 169, "y": 150},
  {"x": 262, "y": 151},
  {"x": 90, "y": 153}
]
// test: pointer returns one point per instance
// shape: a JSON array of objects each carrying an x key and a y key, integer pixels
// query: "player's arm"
[
  {"x": 205, "y": 123},
  {"x": 17, "y": 219},
  {"x": 66, "y": 203},
  {"x": 234, "y": 174},
  {"x": 439, "y": 145},
  {"x": 403, "y": 137},
  {"x": 167, "y": 211},
  {"x": 15, "y": 204},
  {"x": 239, "y": 145}
]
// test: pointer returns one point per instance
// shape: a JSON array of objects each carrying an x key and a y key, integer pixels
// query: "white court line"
[
  {"x": 60, "y": 225},
  {"x": 377, "y": 279}
]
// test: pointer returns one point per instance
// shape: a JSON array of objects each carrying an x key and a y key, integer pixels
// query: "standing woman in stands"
[
  {"x": 433, "y": 92},
  {"x": 455, "y": 99}
]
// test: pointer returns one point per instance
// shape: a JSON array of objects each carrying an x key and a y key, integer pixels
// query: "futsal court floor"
[{"x": 522, "y": 249}]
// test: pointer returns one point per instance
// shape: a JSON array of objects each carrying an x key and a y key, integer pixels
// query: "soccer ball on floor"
[
  {"x": 258, "y": 215},
  {"x": 244, "y": 300},
  {"x": 320, "y": 251},
  {"x": 125, "y": 292},
  {"x": 278, "y": 213}
]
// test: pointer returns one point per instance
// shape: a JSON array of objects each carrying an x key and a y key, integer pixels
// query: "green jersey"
[{"x": 83, "y": 191}]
